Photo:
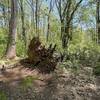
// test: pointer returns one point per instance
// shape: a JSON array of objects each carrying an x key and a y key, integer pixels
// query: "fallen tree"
[{"x": 41, "y": 56}]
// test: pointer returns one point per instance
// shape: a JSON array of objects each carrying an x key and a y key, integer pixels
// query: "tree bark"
[
  {"x": 66, "y": 14},
  {"x": 4, "y": 15},
  {"x": 48, "y": 29},
  {"x": 66, "y": 37},
  {"x": 22, "y": 17},
  {"x": 98, "y": 20},
  {"x": 11, "y": 46},
  {"x": 62, "y": 28},
  {"x": 36, "y": 18},
  {"x": 23, "y": 22}
]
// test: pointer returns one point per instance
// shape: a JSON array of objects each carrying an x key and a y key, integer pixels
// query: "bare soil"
[{"x": 62, "y": 84}]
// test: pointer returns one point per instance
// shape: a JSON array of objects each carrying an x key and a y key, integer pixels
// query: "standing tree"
[
  {"x": 36, "y": 17},
  {"x": 48, "y": 19},
  {"x": 23, "y": 21},
  {"x": 11, "y": 46},
  {"x": 66, "y": 10},
  {"x": 98, "y": 19}
]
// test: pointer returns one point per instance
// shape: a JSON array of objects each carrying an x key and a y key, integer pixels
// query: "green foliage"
[
  {"x": 3, "y": 40},
  {"x": 3, "y": 96},
  {"x": 82, "y": 51},
  {"x": 97, "y": 70},
  {"x": 21, "y": 49},
  {"x": 82, "y": 48},
  {"x": 28, "y": 81}
]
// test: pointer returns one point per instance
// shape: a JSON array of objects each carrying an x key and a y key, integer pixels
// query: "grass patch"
[
  {"x": 28, "y": 81},
  {"x": 3, "y": 96}
]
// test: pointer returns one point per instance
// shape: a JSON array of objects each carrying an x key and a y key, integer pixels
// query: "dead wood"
[{"x": 41, "y": 56}]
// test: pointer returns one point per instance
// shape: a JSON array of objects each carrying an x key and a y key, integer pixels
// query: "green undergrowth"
[
  {"x": 10, "y": 62},
  {"x": 3, "y": 96},
  {"x": 73, "y": 67},
  {"x": 28, "y": 81},
  {"x": 97, "y": 70}
]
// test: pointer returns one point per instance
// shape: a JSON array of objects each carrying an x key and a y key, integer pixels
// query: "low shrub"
[
  {"x": 97, "y": 70},
  {"x": 3, "y": 96}
]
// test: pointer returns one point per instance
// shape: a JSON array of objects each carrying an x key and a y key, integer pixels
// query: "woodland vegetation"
[{"x": 50, "y": 35}]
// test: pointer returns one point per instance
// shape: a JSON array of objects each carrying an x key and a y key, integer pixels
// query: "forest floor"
[{"x": 20, "y": 82}]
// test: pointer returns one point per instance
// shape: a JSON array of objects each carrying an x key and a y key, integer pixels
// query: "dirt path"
[{"x": 22, "y": 83}]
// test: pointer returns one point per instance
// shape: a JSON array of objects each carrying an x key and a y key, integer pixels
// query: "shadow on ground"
[{"x": 24, "y": 83}]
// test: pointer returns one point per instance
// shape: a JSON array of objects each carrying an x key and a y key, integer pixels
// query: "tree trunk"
[
  {"x": 4, "y": 15},
  {"x": 11, "y": 46},
  {"x": 98, "y": 20},
  {"x": 36, "y": 18},
  {"x": 33, "y": 15},
  {"x": 62, "y": 28},
  {"x": 66, "y": 16},
  {"x": 48, "y": 29},
  {"x": 66, "y": 37},
  {"x": 44, "y": 23},
  {"x": 23, "y": 22}
]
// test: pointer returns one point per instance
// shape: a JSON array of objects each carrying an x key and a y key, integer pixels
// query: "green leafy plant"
[
  {"x": 3, "y": 96},
  {"x": 28, "y": 81},
  {"x": 97, "y": 70}
]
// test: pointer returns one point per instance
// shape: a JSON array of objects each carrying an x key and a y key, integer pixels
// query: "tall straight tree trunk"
[
  {"x": 48, "y": 20},
  {"x": 8, "y": 15},
  {"x": 36, "y": 18},
  {"x": 38, "y": 24},
  {"x": 44, "y": 22},
  {"x": 98, "y": 20},
  {"x": 66, "y": 37},
  {"x": 23, "y": 22},
  {"x": 48, "y": 29},
  {"x": 4, "y": 15},
  {"x": 33, "y": 16},
  {"x": 11, "y": 46},
  {"x": 22, "y": 18},
  {"x": 62, "y": 28}
]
